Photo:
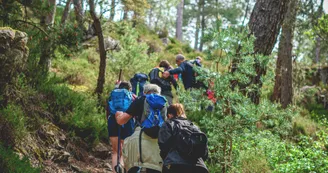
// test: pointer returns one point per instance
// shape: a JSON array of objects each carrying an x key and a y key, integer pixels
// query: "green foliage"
[
  {"x": 11, "y": 163},
  {"x": 133, "y": 54},
  {"x": 76, "y": 112},
  {"x": 306, "y": 156},
  {"x": 14, "y": 115}
]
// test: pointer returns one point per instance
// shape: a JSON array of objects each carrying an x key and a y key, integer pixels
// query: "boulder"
[
  {"x": 111, "y": 44},
  {"x": 13, "y": 57},
  {"x": 166, "y": 41}
]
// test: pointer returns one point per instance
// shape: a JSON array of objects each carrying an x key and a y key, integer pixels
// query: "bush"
[
  {"x": 13, "y": 120},
  {"x": 76, "y": 112},
  {"x": 10, "y": 162}
]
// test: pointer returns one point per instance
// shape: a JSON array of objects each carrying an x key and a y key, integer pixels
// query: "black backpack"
[
  {"x": 155, "y": 76},
  {"x": 138, "y": 81},
  {"x": 191, "y": 142}
]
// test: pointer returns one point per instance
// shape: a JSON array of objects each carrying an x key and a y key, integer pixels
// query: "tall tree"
[
  {"x": 318, "y": 39},
  {"x": 47, "y": 21},
  {"x": 265, "y": 23},
  {"x": 179, "y": 21},
  {"x": 283, "y": 88},
  {"x": 112, "y": 10},
  {"x": 78, "y": 9},
  {"x": 197, "y": 24},
  {"x": 202, "y": 6},
  {"x": 65, "y": 12},
  {"x": 102, "y": 51}
]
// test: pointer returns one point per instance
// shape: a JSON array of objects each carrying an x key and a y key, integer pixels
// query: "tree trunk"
[
  {"x": 179, "y": 22},
  {"x": 265, "y": 23},
  {"x": 46, "y": 23},
  {"x": 65, "y": 12},
  {"x": 197, "y": 26},
  {"x": 78, "y": 9},
  {"x": 318, "y": 39},
  {"x": 150, "y": 17},
  {"x": 102, "y": 51},
  {"x": 283, "y": 89},
  {"x": 202, "y": 2},
  {"x": 125, "y": 14},
  {"x": 112, "y": 10}
]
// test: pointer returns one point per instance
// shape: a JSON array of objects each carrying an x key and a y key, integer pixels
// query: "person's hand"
[
  {"x": 166, "y": 74},
  {"x": 118, "y": 113}
]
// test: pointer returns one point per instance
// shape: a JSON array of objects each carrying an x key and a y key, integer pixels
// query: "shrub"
[
  {"x": 76, "y": 112},
  {"x": 10, "y": 162},
  {"x": 13, "y": 118}
]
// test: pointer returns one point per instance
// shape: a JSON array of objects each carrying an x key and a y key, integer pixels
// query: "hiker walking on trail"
[
  {"x": 119, "y": 100},
  {"x": 185, "y": 69},
  {"x": 156, "y": 77},
  {"x": 183, "y": 146},
  {"x": 141, "y": 151}
]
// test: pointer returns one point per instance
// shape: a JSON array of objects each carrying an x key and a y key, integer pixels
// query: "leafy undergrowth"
[
  {"x": 11, "y": 163},
  {"x": 244, "y": 137}
]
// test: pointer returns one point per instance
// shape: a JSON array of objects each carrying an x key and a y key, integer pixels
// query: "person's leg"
[{"x": 113, "y": 141}]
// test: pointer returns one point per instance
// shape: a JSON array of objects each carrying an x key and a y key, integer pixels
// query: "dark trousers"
[{"x": 183, "y": 169}]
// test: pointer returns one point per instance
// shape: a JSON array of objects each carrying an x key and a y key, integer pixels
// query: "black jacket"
[
  {"x": 167, "y": 145},
  {"x": 188, "y": 74}
]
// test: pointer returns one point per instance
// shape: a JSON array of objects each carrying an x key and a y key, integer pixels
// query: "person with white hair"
[{"x": 141, "y": 151}]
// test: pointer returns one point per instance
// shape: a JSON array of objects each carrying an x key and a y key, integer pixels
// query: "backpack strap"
[{"x": 140, "y": 148}]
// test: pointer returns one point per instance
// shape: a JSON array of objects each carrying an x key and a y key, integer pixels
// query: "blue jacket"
[{"x": 187, "y": 72}]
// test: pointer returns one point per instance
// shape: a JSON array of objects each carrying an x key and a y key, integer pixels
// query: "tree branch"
[{"x": 32, "y": 24}]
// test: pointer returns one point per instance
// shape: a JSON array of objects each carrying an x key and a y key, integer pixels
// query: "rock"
[
  {"x": 13, "y": 57},
  {"x": 101, "y": 151},
  {"x": 61, "y": 157},
  {"x": 166, "y": 41},
  {"x": 111, "y": 44},
  {"x": 107, "y": 165},
  {"x": 76, "y": 168}
]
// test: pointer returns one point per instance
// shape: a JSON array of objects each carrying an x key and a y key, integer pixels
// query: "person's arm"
[
  {"x": 134, "y": 110},
  {"x": 122, "y": 117},
  {"x": 176, "y": 70},
  {"x": 165, "y": 139}
]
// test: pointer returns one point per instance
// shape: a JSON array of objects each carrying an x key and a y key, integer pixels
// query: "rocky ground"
[{"x": 51, "y": 149}]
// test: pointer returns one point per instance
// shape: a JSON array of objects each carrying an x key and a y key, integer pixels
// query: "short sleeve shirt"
[{"x": 136, "y": 108}]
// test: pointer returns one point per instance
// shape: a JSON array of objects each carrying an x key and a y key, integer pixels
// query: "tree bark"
[
  {"x": 197, "y": 25},
  {"x": 318, "y": 39},
  {"x": 265, "y": 23},
  {"x": 283, "y": 89},
  {"x": 46, "y": 23},
  {"x": 112, "y": 10},
  {"x": 179, "y": 21},
  {"x": 78, "y": 9},
  {"x": 65, "y": 12},
  {"x": 102, "y": 51},
  {"x": 202, "y": 2}
]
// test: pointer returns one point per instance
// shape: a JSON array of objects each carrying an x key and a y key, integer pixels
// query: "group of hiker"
[{"x": 155, "y": 133}]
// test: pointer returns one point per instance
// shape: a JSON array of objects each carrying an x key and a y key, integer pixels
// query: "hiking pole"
[
  {"x": 117, "y": 84},
  {"x": 120, "y": 75},
  {"x": 118, "y": 166}
]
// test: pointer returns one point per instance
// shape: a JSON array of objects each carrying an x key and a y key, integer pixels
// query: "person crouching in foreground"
[{"x": 178, "y": 156}]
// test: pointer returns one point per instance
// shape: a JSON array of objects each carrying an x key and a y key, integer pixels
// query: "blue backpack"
[
  {"x": 120, "y": 100},
  {"x": 138, "y": 81},
  {"x": 154, "y": 114}
]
